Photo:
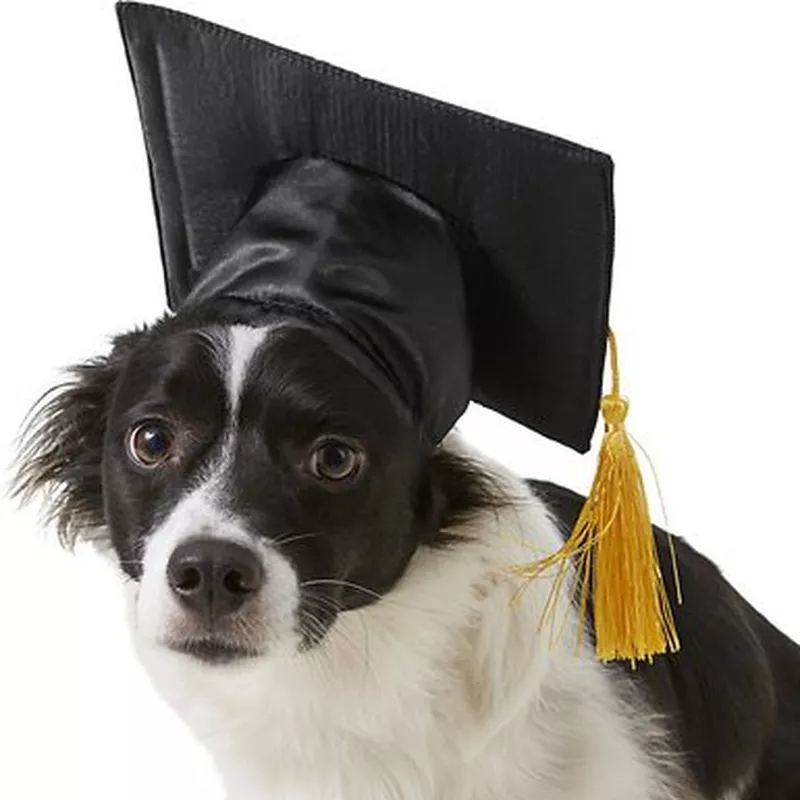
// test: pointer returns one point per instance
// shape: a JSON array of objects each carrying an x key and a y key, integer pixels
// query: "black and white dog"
[{"x": 325, "y": 602}]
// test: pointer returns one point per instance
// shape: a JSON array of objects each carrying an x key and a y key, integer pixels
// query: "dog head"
[{"x": 251, "y": 483}]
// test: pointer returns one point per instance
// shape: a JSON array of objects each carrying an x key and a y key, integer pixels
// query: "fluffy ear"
[
  {"x": 454, "y": 488},
  {"x": 61, "y": 447}
]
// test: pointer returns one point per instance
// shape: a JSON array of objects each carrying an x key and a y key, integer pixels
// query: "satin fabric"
[
  {"x": 218, "y": 108},
  {"x": 374, "y": 266}
]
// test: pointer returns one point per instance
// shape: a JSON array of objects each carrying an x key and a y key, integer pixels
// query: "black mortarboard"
[{"x": 448, "y": 254}]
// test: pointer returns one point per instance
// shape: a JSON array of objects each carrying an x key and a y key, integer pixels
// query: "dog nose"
[{"x": 214, "y": 577}]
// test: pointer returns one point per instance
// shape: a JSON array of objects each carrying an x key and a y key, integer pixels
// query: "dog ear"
[
  {"x": 61, "y": 446},
  {"x": 453, "y": 489}
]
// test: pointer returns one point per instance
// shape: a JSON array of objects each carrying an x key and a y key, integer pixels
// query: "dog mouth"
[{"x": 214, "y": 650}]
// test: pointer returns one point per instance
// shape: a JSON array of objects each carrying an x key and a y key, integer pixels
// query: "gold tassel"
[{"x": 613, "y": 550}]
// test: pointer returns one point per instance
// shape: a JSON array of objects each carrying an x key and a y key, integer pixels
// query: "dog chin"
[{"x": 214, "y": 651}]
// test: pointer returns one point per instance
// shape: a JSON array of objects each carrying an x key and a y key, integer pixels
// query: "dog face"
[{"x": 252, "y": 483}]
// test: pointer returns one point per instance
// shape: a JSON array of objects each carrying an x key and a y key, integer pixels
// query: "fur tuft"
[
  {"x": 461, "y": 487},
  {"x": 61, "y": 445}
]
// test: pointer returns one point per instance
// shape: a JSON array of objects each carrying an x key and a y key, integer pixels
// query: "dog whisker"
[
  {"x": 323, "y": 656},
  {"x": 292, "y": 539},
  {"x": 336, "y": 631},
  {"x": 342, "y": 584},
  {"x": 371, "y": 593}
]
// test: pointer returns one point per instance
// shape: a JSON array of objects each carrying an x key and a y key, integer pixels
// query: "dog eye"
[
  {"x": 150, "y": 444},
  {"x": 335, "y": 460}
]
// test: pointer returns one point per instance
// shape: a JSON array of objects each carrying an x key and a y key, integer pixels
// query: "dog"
[{"x": 327, "y": 604}]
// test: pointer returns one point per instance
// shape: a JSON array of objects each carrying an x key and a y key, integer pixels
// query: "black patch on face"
[
  {"x": 349, "y": 541},
  {"x": 174, "y": 380}
]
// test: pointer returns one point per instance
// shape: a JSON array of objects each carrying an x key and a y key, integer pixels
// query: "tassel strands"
[{"x": 613, "y": 551}]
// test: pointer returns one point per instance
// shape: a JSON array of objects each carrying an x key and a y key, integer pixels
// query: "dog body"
[
  {"x": 325, "y": 599},
  {"x": 441, "y": 690}
]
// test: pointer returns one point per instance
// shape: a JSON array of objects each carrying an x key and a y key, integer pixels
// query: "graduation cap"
[{"x": 447, "y": 254}]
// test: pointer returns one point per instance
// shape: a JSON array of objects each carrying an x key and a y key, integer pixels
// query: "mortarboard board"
[
  {"x": 447, "y": 254},
  {"x": 518, "y": 323}
]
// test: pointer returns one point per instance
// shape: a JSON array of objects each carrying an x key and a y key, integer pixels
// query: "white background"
[{"x": 697, "y": 102}]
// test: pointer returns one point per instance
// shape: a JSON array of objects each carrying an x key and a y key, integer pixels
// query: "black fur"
[{"x": 732, "y": 693}]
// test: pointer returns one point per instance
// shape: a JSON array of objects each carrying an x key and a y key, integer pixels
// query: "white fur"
[
  {"x": 444, "y": 690},
  {"x": 243, "y": 341},
  {"x": 740, "y": 791}
]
